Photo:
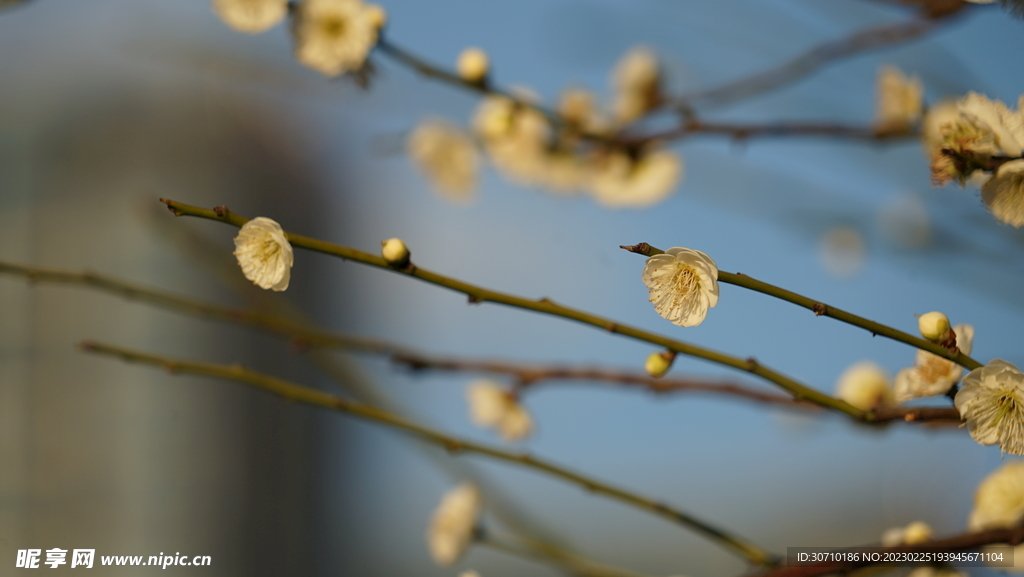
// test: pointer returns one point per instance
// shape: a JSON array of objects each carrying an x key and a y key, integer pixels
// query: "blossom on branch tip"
[
  {"x": 991, "y": 400},
  {"x": 251, "y": 16},
  {"x": 447, "y": 156},
  {"x": 264, "y": 253},
  {"x": 899, "y": 100},
  {"x": 454, "y": 521},
  {"x": 473, "y": 65},
  {"x": 334, "y": 36},
  {"x": 865, "y": 385},
  {"x": 932, "y": 374},
  {"x": 683, "y": 284},
  {"x": 493, "y": 407}
]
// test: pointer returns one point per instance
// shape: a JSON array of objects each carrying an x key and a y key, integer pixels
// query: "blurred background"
[{"x": 106, "y": 106}]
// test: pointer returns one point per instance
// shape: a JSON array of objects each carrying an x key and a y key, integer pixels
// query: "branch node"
[
  {"x": 611, "y": 327},
  {"x": 221, "y": 210},
  {"x": 752, "y": 364},
  {"x": 473, "y": 300},
  {"x": 642, "y": 248},
  {"x": 820, "y": 309},
  {"x": 170, "y": 207}
]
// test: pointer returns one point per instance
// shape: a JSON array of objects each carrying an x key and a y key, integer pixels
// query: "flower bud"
[
  {"x": 658, "y": 364},
  {"x": 377, "y": 15},
  {"x": 473, "y": 65},
  {"x": 933, "y": 325},
  {"x": 395, "y": 252},
  {"x": 917, "y": 532}
]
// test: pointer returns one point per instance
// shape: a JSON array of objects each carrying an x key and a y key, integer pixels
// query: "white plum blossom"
[
  {"x": 251, "y": 16},
  {"x": 493, "y": 407},
  {"x": 865, "y": 385},
  {"x": 899, "y": 99},
  {"x": 961, "y": 138},
  {"x": 451, "y": 528},
  {"x": 991, "y": 400},
  {"x": 334, "y": 36},
  {"x": 932, "y": 374},
  {"x": 1003, "y": 194},
  {"x": 683, "y": 284},
  {"x": 623, "y": 181},
  {"x": 999, "y": 504},
  {"x": 636, "y": 82},
  {"x": 264, "y": 253},
  {"x": 448, "y": 157}
]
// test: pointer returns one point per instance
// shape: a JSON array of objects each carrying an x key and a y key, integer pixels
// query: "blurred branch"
[
  {"x": 297, "y": 393},
  {"x": 809, "y": 62},
  {"x": 544, "y": 305},
  {"x": 692, "y": 127},
  {"x": 822, "y": 309},
  {"x": 964, "y": 541}
]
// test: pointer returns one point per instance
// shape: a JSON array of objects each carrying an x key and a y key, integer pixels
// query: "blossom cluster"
[{"x": 568, "y": 150}]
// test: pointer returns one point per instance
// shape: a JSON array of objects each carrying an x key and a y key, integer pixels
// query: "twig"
[
  {"x": 297, "y": 393},
  {"x": 822, "y": 309},
  {"x": 545, "y": 305},
  {"x": 569, "y": 562}
]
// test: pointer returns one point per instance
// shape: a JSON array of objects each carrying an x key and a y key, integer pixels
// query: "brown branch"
[
  {"x": 692, "y": 127},
  {"x": 964, "y": 541}
]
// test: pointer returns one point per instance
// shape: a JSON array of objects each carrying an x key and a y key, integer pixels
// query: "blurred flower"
[
  {"x": 515, "y": 136},
  {"x": 1003, "y": 194},
  {"x": 251, "y": 16},
  {"x": 930, "y": 571},
  {"x": 683, "y": 284},
  {"x": 865, "y": 385},
  {"x": 473, "y": 64},
  {"x": 933, "y": 325},
  {"x": 962, "y": 139},
  {"x": 636, "y": 82},
  {"x": 451, "y": 528},
  {"x": 915, "y": 533},
  {"x": 999, "y": 504},
  {"x": 905, "y": 223},
  {"x": 334, "y": 36},
  {"x": 991, "y": 400},
  {"x": 470, "y": 573},
  {"x": 932, "y": 374},
  {"x": 842, "y": 251},
  {"x": 394, "y": 251},
  {"x": 447, "y": 156},
  {"x": 491, "y": 406},
  {"x": 264, "y": 254},
  {"x": 377, "y": 16},
  {"x": 579, "y": 107},
  {"x": 622, "y": 181},
  {"x": 898, "y": 99}
]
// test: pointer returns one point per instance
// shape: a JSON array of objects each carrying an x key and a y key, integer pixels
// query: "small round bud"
[
  {"x": 377, "y": 15},
  {"x": 933, "y": 325},
  {"x": 917, "y": 532},
  {"x": 473, "y": 65},
  {"x": 658, "y": 364},
  {"x": 395, "y": 252}
]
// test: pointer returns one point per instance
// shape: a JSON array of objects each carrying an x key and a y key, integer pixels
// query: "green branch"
[
  {"x": 293, "y": 392},
  {"x": 822, "y": 309},
  {"x": 543, "y": 305}
]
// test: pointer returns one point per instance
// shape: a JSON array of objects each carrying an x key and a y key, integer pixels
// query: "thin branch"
[
  {"x": 569, "y": 562},
  {"x": 964, "y": 541},
  {"x": 807, "y": 63},
  {"x": 822, "y": 309},
  {"x": 544, "y": 305},
  {"x": 297, "y": 393}
]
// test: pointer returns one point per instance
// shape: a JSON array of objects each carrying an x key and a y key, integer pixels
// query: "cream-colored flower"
[
  {"x": 394, "y": 252},
  {"x": 1003, "y": 194},
  {"x": 971, "y": 132},
  {"x": 636, "y": 82},
  {"x": 448, "y": 157},
  {"x": 334, "y": 36},
  {"x": 932, "y": 374},
  {"x": 451, "y": 528},
  {"x": 515, "y": 136},
  {"x": 991, "y": 400},
  {"x": 683, "y": 284},
  {"x": 473, "y": 64},
  {"x": 865, "y": 385},
  {"x": 621, "y": 181},
  {"x": 999, "y": 504},
  {"x": 264, "y": 254},
  {"x": 913, "y": 534},
  {"x": 899, "y": 99},
  {"x": 470, "y": 573},
  {"x": 251, "y": 16},
  {"x": 493, "y": 407}
]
